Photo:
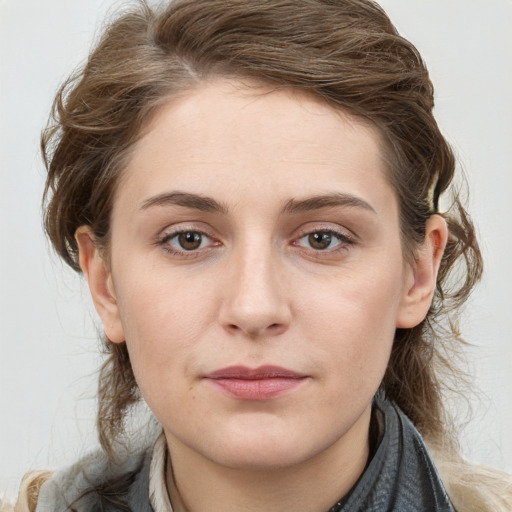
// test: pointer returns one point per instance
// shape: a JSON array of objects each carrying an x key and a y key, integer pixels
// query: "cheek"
[
  {"x": 158, "y": 301},
  {"x": 163, "y": 319},
  {"x": 353, "y": 326}
]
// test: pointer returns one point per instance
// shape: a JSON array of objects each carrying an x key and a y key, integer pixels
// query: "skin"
[{"x": 259, "y": 290}]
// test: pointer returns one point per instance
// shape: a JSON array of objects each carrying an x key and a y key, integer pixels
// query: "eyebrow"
[
  {"x": 208, "y": 204},
  {"x": 202, "y": 203},
  {"x": 326, "y": 201}
]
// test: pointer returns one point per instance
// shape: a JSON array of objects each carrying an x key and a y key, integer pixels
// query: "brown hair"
[{"x": 344, "y": 51}]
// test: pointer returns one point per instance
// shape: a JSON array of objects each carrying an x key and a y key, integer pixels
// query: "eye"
[
  {"x": 186, "y": 241},
  {"x": 323, "y": 240}
]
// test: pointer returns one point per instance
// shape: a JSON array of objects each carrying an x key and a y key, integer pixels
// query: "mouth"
[{"x": 262, "y": 383}]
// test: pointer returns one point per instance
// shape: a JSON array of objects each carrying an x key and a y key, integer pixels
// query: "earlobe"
[
  {"x": 420, "y": 283},
  {"x": 99, "y": 278}
]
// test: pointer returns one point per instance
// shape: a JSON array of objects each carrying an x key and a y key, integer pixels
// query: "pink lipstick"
[{"x": 262, "y": 383}]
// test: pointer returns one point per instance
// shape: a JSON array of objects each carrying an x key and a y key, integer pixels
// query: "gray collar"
[{"x": 401, "y": 475}]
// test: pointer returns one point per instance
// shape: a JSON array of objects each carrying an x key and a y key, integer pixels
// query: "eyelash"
[
  {"x": 344, "y": 242},
  {"x": 165, "y": 240}
]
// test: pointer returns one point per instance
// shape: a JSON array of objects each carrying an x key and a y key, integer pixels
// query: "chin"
[
  {"x": 261, "y": 458},
  {"x": 269, "y": 449}
]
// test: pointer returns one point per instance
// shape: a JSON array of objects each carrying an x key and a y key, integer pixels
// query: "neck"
[{"x": 196, "y": 483}]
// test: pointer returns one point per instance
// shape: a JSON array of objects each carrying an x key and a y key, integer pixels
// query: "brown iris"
[
  {"x": 190, "y": 240},
  {"x": 320, "y": 240}
]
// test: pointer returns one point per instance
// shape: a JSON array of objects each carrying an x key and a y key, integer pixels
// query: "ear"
[
  {"x": 98, "y": 275},
  {"x": 421, "y": 275}
]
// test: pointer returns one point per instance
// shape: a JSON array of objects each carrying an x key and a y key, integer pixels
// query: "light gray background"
[{"x": 48, "y": 351}]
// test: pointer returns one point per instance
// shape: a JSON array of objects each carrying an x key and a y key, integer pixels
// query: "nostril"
[{"x": 254, "y": 331}]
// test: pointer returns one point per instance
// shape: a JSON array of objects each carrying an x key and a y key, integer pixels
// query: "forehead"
[
  {"x": 229, "y": 134},
  {"x": 228, "y": 111}
]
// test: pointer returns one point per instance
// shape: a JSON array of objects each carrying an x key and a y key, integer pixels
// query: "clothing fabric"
[
  {"x": 400, "y": 477},
  {"x": 158, "y": 491}
]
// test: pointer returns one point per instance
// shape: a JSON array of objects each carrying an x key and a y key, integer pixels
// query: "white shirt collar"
[{"x": 158, "y": 495}]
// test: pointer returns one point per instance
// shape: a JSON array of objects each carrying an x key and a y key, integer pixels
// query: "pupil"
[
  {"x": 320, "y": 240},
  {"x": 189, "y": 240}
]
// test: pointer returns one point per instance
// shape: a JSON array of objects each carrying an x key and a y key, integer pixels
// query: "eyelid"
[
  {"x": 346, "y": 238},
  {"x": 326, "y": 227},
  {"x": 170, "y": 232}
]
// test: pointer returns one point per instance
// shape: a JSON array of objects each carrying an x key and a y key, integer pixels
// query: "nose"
[{"x": 255, "y": 301}]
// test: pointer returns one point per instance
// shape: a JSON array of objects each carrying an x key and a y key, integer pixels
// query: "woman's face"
[{"x": 257, "y": 274}]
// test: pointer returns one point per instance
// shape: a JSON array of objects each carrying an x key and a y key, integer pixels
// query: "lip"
[{"x": 262, "y": 383}]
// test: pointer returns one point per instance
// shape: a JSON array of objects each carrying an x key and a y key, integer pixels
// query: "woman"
[{"x": 252, "y": 193}]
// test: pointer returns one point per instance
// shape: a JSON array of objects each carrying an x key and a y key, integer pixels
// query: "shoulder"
[
  {"x": 93, "y": 483},
  {"x": 469, "y": 486},
  {"x": 29, "y": 491}
]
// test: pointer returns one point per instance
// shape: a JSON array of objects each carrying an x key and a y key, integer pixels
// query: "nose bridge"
[{"x": 255, "y": 301}]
